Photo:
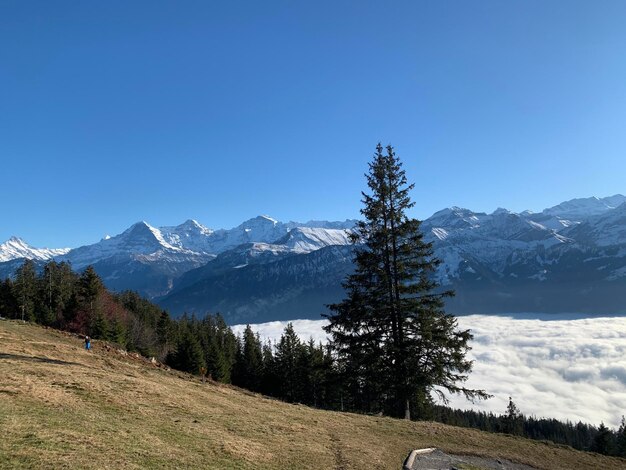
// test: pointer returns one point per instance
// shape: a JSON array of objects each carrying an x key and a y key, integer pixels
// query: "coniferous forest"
[{"x": 392, "y": 346}]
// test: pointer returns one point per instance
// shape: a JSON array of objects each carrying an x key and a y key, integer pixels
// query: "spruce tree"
[
  {"x": 513, "y": 420},
  {"x": 391, "y": 330},
  {"x": 249, "y": 362},
  {"x": 99, "y": 327},
  {"x": 603, "y": 441},
  {"x": 47, "y": 283},
  {"x": 287, "y": 357},
  {"x": 226, "y": 342},
  {"x": 620, "y": 438},
  {"x": 8, "y": 302},
  {"x": 25, "y": 289},
  {"x": 217, "y": 365},
  {"x": 90, "y": 286},
  {"x": 188, "y": 355},
  {"x": 270, "y": 378},
  {"x": 117, "y": 331}
]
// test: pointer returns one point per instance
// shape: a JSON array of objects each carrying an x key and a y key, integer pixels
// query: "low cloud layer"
[{"x": 553, "y": 366}]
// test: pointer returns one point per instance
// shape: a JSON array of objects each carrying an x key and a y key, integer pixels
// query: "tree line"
[
  {"x": 289, "y": 369},
  {"x": 581, "y": 436}
]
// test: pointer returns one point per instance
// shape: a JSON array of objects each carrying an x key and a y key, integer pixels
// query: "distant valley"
[{"x": 567, "y": 258}]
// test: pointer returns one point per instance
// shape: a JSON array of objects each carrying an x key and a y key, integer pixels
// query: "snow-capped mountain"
[
  {"x": 259, "y": 229},
  {"x": 498, "y": 262},
  {"x": 140, "y": 241},
  {"x": 606, "y": 229},
  {"x": 567, "y": 258},
  {"x": 583, "y": 208},
  {"x": 307, "y": 239},
  {"x": 264, "y": 229},
  {"x": 298, "y": 241},
  {"x": 287, "y": 287},
  {"x": 463, "y": 238},
  {"x": 190, "y": 235},
  {"x": 572, "y": 212},
  {"x": 143, "y": 257},
  {"x": 191, "y": 240},
  {"x": 16, "y": 248},
  {"x": 151, "y": 259}
]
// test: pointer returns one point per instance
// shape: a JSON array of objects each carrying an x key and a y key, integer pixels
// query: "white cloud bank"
[{"x": 553, "y": 366}]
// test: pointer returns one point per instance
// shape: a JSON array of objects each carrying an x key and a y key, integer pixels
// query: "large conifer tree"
[
  {"x": 394, "y": 340},
  {"x": 25, "y": 289}
]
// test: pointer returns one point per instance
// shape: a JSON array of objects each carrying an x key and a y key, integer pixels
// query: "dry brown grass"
[{"x": 63, "y": 407}]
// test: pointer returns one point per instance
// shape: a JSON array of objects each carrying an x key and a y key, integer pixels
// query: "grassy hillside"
[{"x": 63, "y": 407}]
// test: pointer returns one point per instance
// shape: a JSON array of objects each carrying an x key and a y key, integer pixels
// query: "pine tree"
[
  {"x": 392, "y": 330},
  {"x": 117, "y": 331},
  {"x": 25, "y": 289},
  {"x": 249, "y": 362},
  {"x": 47, "y": 311},
  {"x": 288, "y": 351},
  {"x": 217, "y": 365},
  {"x": 270, "y": 378},
  {"x": 164, "y": 328},
  {"x": 8, "y": 302},
  {"x": 603, "y": 441},
  {"x": 226, "y": 344},
  {"x": 188, "y": 355},
  {"x": 64, "y": 293},
  {"x": 512, "y": 421},
  {"x": 99, "y": 327},
  {"x": 314, "y": 366},
  {"x": 620, "y": 438},
  {"x": 90, "y": 286}
]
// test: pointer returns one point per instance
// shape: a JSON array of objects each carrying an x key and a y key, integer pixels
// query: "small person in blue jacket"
[{"x": 87, "y": 343}]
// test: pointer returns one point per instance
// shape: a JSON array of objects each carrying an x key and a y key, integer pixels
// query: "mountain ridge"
[{"x": 500, "y": 255}]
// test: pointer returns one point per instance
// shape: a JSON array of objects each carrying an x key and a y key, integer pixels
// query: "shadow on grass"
[{"x": 46, "y": 360}]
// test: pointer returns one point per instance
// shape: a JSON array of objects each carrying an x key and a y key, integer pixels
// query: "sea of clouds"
[{"x": 556, "y": 366}]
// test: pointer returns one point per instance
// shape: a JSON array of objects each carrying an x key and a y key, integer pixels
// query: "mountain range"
[{"x": 567, "y": 258}]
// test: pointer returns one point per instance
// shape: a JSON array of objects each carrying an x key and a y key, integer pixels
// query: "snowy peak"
[
  {"x": 307, "y": 239},
  {"x": 582, "y": 208},
  {"x": 501, "y": 210},
  {"x": 258, "y": 229},
  {"x": 454, "y": 218},
  {"x": 191, "y": 226},
  {"x": 144, "y": 237},
  {"x": 144, "y": 242},
  {"x": 511, "y": 226},
  {"x": 338, "y": 225},
  {"x": 16, "y": 248},
  {"x": 615, "y": 201},
  {"x": 606, "y": 229},
  {"x": 140, "y": 239},
  {"x": 190, "y": 235},
  {"x": 261, "y": 222}
]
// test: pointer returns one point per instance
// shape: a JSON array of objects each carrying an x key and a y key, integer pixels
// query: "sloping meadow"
[{"x": 64, "y": 407}]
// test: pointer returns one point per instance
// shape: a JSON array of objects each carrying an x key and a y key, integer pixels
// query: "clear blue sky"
[{"x": 117, "y": 111}]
